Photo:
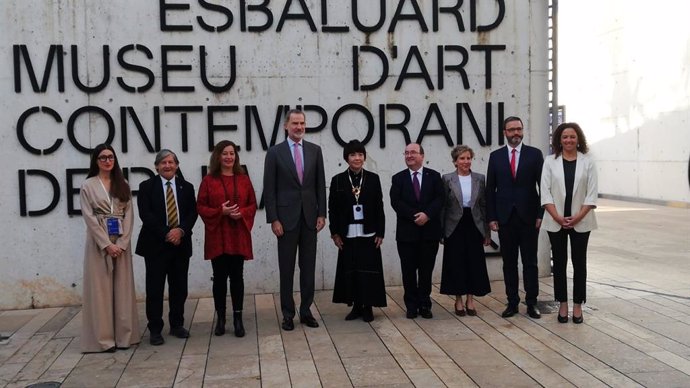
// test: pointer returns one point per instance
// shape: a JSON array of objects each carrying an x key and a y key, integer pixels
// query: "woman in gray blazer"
[
  {"x": 569, "y": 195},
  {"x": 465, "y": 230}
]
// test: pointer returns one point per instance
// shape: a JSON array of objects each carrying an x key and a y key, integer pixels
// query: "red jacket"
[{"x": 223, "y": 234}]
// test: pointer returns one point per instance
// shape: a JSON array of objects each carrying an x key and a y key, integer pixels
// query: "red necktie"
[
  {"x": 415, "y": 185},
  {"x": 512, "y": 162}
]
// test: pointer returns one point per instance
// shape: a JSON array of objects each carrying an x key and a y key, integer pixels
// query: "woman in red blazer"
[{"x": 227, "y": 205}]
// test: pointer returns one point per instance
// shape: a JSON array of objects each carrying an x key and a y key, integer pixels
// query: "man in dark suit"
[
  {"x": 167, "y": 208},
  {"x": 295, "y": 199},
  {"x": 514, "y": 211},
  {"x": 417, "y": 198}
]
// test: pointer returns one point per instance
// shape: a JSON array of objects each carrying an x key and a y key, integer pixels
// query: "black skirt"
[
  {"x": 464, "y": 261},
  {"x": 359, "y": 273}
]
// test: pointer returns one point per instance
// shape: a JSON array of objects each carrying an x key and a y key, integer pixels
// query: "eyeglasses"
[
  {"x": 106, "y": 158},
  {"x": 411, "y": 153}
]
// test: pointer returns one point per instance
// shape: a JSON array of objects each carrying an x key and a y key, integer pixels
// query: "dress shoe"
[
  {"x": 411, "y": 314},
  {"x": 156, "y": 339},
  {"x": 533, "y": 312},
  {"x": 367, "y": 314},
  {"x": 578, "y": 320},
  {"x": 179, "y": 332},
  {"x": 355, "y": 313},
  {"x": 308, "y": 320},
  {"x": 220, "y": 324},
  {"x": 563, "y": 319},
  {"x": 460, "y": 313},
  {"x": 471, "y": 312},
  {"x": 288, "y": 324},
  {"x": 509, "y": 311},
  {"x": 426, "y": 313},
  {"x": 111, "y": 349}
]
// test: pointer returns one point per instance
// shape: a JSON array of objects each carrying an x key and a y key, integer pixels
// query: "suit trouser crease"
[
  {"x": 417, "y": 260},
  {"x": 297, "y": 244},
  {"x": 173, "y": 266},
  {"x": 519, "y": 236},
  {"x": 228, "y": 267},
  {"x": 559, "y": 253}
]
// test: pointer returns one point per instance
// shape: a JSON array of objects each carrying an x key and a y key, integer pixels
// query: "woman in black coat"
[{"x": 357, "y": 225}]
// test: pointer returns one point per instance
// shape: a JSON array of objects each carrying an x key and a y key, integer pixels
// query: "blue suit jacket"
[
  {"x": 406, "y": 205},
  {"x": 503, "y": 193}
]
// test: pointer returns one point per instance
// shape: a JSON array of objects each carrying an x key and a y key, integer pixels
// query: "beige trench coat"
[{"x": 109, "y": 312}]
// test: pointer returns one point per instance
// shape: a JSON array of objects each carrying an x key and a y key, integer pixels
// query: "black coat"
[
  {"x": 406, "y": 205},
  {"x": 154, "y": 216},
  {"x": 341, "y": 199},
  {"x": 503, "y": 192}
]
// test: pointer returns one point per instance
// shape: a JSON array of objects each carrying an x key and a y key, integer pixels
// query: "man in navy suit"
[
  {"x": 417, "y": 197},
  {"x": 295, "y": 199},
  {"x": 167, "y": 208},
  {"x": 514, "y": 211}
]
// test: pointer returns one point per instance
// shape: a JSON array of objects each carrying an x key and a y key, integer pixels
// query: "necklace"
[{"x": 356, "y": 190}]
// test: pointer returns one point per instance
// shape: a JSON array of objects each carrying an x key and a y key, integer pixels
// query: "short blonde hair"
[{"x": 459, "y": 150}]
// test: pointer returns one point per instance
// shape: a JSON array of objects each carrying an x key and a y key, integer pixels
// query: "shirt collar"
[
  {"x": 353, "y": 174},
  {"x": 518, "y": 148},
  {"x": 419, "y": 171},
  {"x": 165, "y": 181}
]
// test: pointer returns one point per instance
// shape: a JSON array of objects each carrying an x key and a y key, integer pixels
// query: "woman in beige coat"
[{"x": 109, "y": 312}]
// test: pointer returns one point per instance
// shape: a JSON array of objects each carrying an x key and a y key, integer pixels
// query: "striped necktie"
[{"x": 171, "y": 206}]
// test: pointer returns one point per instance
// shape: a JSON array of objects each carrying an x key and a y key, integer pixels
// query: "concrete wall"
[
  {"x": 52, "y": 121},
  {"x": 625, "y": 77}
]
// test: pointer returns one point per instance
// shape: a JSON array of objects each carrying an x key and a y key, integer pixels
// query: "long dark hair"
[
  {"x": 119, "y": 188},
  {"x": 556, "y": 145},
  {"x": 214, "y": 162}
]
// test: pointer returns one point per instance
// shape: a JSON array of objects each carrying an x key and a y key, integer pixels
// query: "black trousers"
[
  {"x": 173, "y": 265},
  {"x": 304, "y": 238},
  {"x": 417, "y": 260},
  {"x": 520, "y": 236},
  {"x": 559, "y": 253},
  {"x": 228, "y": 267}
]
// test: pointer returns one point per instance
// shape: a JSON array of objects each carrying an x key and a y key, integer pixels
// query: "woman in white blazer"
[{"x": 569, "y": 195}]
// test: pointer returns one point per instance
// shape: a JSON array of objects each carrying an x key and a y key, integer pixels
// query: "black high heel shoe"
[
  {"x": 579, "y": 319},
  {"x": 563, "y": 318},
  {"x": 470, "y": 312}
]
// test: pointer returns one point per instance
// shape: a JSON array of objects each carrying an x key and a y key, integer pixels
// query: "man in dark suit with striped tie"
[{"x": 167, "y": 208}]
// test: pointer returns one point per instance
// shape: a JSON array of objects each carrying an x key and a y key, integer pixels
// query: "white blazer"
[{"x": 585, "y": 191}]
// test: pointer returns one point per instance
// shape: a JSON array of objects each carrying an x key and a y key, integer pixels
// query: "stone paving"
[{"x": 636, "y": 333}]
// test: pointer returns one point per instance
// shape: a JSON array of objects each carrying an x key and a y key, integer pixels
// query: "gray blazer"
[
  {"x": 452, "y": 208},
  {"x": 285, "y": 198}
]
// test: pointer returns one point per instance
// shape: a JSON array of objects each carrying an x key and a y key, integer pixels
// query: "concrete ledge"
[{"x": 660, "y": 202}]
